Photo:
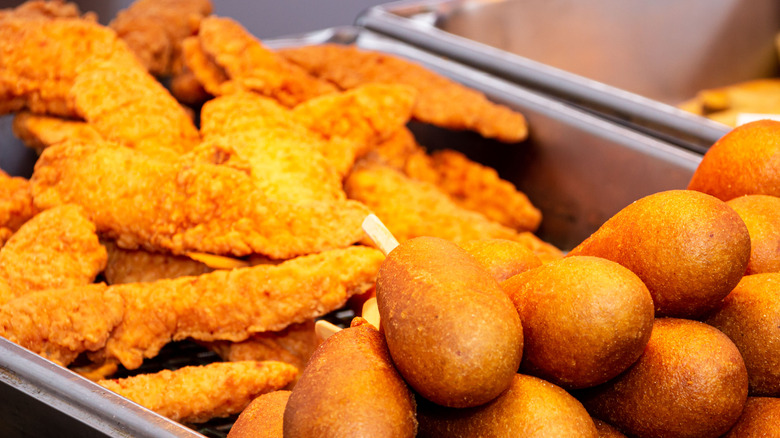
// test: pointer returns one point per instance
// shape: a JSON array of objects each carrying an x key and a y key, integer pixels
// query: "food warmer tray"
[
  {"x": 577, "y": 168},
  {"x": 630, "y": 62}
]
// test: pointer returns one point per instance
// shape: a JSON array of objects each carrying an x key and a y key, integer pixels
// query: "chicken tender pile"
[{"x": 223, "y": 208}]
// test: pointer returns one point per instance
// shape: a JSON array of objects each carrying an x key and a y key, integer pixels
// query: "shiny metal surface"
[{"x": 629, "y": 61}]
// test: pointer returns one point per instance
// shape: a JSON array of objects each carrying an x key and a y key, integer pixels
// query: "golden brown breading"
[
  {"x": 154, "y": 30},
  {"x": 41, "y": 58},
  {"x": 186, "y": 88},
  {"x": 411, "y": 208},
  {"x": 187, "y": 205},
  {"x": 196, "y": 394},
  {"x": 139, "y": 266},
  {"x": 5, "y": 234},
  {"x": 440, "y": 101},
  {"x": 247, "y": 65},
  {"x": 61, "y": 324},
  {"x": 58, "y": 248},
  {"x": 476, "y": 187},
  {"x": 293, "y": 345},
  {"x": 130, "y": 322},
  {"x": 263, "y": 418},
  {"x": 357, "y": 120},
  {"x": 16, "y": 201},
  {"x": 398, "y": 149},
  {"x": 35, "y": 9},
  {"x": 285, "y": 158},
  {"x": 40, "y": 131}
]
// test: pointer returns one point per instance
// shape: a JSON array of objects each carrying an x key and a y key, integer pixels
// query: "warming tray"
[
  {"x": 577, "y": 168},
  {"x": 627, "y": 61}
]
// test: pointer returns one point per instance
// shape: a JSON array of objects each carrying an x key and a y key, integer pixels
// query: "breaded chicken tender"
[
  {"x": 411, "y": 208},
  {"x": 35, "y": 9},
  {"x": 226, "y": 58},
  {"x": 39, "y": 131},
  {"x": 285, "y": 158},
  {"x": 441, "y": 101},
  {"x": 187, "y": 205},
  {"x": 357, "y": 120},
  {"x": 154, "y": 30},
  {"x": 16, "y": 201},
  {"x": 196, "y": 394},
  {"x": 58, "y": 248},
  {"x": 139, "y": 266},
  {"x": 130, "y": 322}
]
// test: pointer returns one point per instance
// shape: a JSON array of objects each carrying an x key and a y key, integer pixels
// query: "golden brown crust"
[
  {"x": 761, "y": 214},
  {"x": 58, "y": 248},
  {"x": 139, "y": 266},
  {"x": 759, "y": 419},
  {"x": 502, "y": 258},
  {"x": 603, "y": 306},
  {"x": 16, "y": 201},
  {"x": 607, "y": 431},
  {"x": 690, "y": 382},
  {"x": 689, "y": 248},
  {"x": 195, "y": 394},
  {"x": 351, "y": 388},
  {"x": 435, "y": 303},
  {"x": 39, "y": 131},
  {"x": 750, "y": 315},
  {"x": 440, "y": 101},
  {"x": 746, "y": 161},
  {"x": 531, "y": 408},
  {"x": 263, "y": 418}
]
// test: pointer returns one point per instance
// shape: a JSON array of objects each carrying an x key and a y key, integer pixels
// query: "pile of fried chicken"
[{"x": 139, "y": 226}]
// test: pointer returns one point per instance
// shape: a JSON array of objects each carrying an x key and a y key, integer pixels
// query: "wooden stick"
[
  {"x": 379, "y": 234},
  {"x": 324, "y": 329},
  {"x": 370, "y": 312}
]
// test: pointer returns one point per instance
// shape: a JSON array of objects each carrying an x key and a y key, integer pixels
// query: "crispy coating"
[
  {"x": 58, "y": 248},
  {"x": 285, "y": 157},
  {"x": 154, "y": 30},
  {"x": 130, "y": 322},
  {"x": 223, "y": 45},
  {"x": 139, "y": 266},
  {"x": 263, "y": 418},
  {"x": 761, "y": 214},
  {"x": 411, "y": 208},
  {"x": 441, "y": 101},
  {"x": 35, "y": 9},
  {"x": 476, "y": 187},
  {"x": 16, "y": 201},
  {"x": 186, "y": 88},
  {"x": 196, "y": 394},
  {"x": 41, "y": 58},
  {"x": 293, "y": 345},
  {"x": 60, "y": 324},
  {"x": 40, "y": 131},
  {"x": 5, "y": 234},
  {"x": 357, "y": 120},
  {"x": 187, "y": 206}
]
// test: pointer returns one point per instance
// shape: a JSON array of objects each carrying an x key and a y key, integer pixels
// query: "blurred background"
[{"x": 264, "y": 19}]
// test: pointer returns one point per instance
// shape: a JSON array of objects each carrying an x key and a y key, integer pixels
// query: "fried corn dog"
[{"x": 195, "y": 394}]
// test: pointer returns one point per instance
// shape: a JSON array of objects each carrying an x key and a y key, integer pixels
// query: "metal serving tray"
[
  {"x": 579, "y": 170},
  {"x": 630, "y": 61}
]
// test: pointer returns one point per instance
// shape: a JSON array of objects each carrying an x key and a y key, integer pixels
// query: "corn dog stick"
[
  {"x": 379, "y": 233},
  {"x": 324, "y": 329}
]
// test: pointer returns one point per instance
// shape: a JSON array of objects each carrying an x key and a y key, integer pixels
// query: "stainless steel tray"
[
  {"x": 627, "y": 61},
  {"x": 579, "y": 169}
]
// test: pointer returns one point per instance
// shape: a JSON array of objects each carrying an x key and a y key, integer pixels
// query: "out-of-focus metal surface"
[
  {"x": 630, "y": 61},
  {"x": 577, "y": 168}
]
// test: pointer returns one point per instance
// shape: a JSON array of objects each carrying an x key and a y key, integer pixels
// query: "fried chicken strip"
[
  {"x": 411, "y": 208},
  {"x": 139, "y": 266},
  {"x": 293, "y": 345},
  {"x": 40, "y": 131},
  {"x": 196, "y": 394},
  {"x": 58, "y": 248},
  {"x": 154, "y": 30},
  {"x": 356, "y": 121},
  {"x": 285, "y": 157},
  {"x": 187, "y": 205},
  {"x": 226, "y": 58},
  {"x": 469, "y": 184},
  {"x": 16, "y": 201},
  {"x": 78, "y": 69},
  {"x": 441, "y": 101},
  {"x": 130, "y": 322},
  {"x": 36, "y": 9}
]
